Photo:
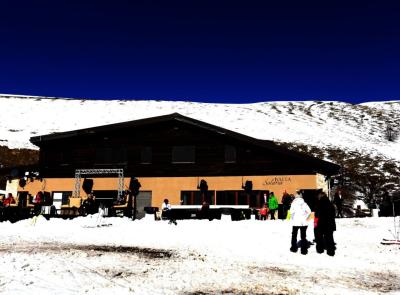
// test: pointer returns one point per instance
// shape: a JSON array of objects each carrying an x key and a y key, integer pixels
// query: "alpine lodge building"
[{"x": 172, "y": 157}]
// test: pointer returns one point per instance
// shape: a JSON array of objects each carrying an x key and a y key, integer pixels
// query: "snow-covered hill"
[{"x": 322, "y": 124}]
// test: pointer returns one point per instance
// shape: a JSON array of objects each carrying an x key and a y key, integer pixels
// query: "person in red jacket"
[
  {"x": 38, "y": 198},
  {"x": 9, "y": 200},
  {"x": 38, "y": 201},
  {"x": 263, "y": 212}
]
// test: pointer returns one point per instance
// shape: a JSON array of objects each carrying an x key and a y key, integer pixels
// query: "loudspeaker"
[
  {"x": 248, "y": 186},
  {"x": 87, "y": 185},
  {"x": 22, "y": 182},
  {"x": 203, "y": 186},
  {"x": 134, "y": 186}
]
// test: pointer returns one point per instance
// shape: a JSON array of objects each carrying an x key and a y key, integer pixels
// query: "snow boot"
[
  {"x": 330, "y": 252},
  {"x": 320, "y": 248}
]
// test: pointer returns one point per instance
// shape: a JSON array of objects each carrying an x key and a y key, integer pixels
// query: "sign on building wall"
[{"x": 277, "y": 180}]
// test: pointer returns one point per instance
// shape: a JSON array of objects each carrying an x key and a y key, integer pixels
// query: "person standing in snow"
[
  {"x": 272, "y": 204},
  {"x": 205, "y": 211},
  {"x": 286, "y": 202},
  {"x": 89, "y": 205},
  {"x": 8, "y": 213},
  {"x": 299, "y": 214},
  {"x": 265, "y": 199},
  {"x": 263, "y": 212},
  {"x": 325, "y": 225},
  {"x": 338, "y": 200},
  {"x": 38, "y": 202}
]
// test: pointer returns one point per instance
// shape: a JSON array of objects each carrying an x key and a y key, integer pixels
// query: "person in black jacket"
[
  {"x": 204, "y": 212},
  {"x": 325, "y": 225},
  {"x": 338, "y": 200},
  {"x": 286, "y": 202},
  {"x": 89, "y": 205}
]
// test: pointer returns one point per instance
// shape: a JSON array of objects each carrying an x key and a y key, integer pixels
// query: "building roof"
[{"x": 328, "y": 167}]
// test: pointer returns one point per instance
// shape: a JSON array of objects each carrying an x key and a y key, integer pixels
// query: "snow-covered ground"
[
  {"x": 195, "y": 257},
  {"x": 322, "y": 124}
]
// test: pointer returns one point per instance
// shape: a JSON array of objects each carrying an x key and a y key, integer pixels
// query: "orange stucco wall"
[{"x": 171, "y": 187}]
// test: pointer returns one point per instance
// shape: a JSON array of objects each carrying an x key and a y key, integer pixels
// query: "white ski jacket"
[{"x": 299, "y": 212}]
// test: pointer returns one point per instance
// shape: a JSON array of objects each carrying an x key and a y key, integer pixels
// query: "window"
[
  {"x": 226, "y": 197},
  {"x": 82, "y": 155},
  {"x": 183, "y": 154},
  {"x": 63, "y": 158},
  {"x": 195, "y": 198},
  {"x": 104, "y": 155},
  {"x": 119, "y": 155},
  {"x": 146, "y": 155},
  {"x": 239, "y": 197},
  {"x": 232, "y": 198},
  {"x": 230, "y": 154},
  {"x": 110, "y": 155}
]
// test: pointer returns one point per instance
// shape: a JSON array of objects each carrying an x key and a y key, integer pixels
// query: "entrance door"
[{"x": 143, "y": 200}]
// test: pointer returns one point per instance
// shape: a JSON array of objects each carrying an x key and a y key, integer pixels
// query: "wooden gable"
[{"x": 123, "y": 146}]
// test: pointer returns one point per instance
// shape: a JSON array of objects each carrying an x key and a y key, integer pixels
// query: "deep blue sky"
[{"x": 219, "y": 51}]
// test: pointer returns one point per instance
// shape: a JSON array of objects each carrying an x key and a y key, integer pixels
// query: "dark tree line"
[{"x": 362, "y": 176}]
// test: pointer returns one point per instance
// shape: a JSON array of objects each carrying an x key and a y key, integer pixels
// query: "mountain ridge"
[{"x": 359, "y": 127}]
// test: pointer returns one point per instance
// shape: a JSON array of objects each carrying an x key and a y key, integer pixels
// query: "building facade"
[{"x": 170, "y": 155}]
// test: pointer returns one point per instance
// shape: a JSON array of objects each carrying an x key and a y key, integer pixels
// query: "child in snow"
[{"x": 264, "y": 212}]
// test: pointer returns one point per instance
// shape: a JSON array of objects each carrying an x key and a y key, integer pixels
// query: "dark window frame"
[
  {"x": 239, "y": 197},
  {"x": 180, "y": 154},
  {"x": 146, "y": 155},
  {"x": 230, "y": 155},
  {"x": 194, "y": 197},
  {"x": 111, "y": 156}
]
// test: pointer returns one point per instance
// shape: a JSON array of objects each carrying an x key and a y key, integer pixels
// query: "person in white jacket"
[
  {"x": 166, "y": 212},
  {"x": 299, "y": 215}
]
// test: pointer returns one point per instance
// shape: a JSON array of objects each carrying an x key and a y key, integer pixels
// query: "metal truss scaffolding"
[{"x": 80, "y": 172}]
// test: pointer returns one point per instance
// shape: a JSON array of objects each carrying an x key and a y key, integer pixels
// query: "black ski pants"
[
  {"x": 324, "y": 241},
  {"x": 303, "y": 233}
]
